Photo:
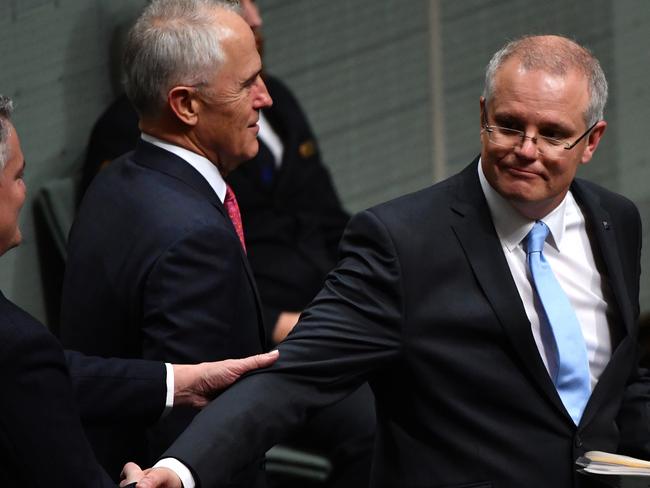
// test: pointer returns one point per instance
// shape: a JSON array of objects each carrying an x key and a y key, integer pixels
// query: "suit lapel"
[
  {"x": 157, "y": 159},
  {"x": 477, "y": 236}
]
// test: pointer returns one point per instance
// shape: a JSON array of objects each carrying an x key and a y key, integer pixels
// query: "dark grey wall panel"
[
  {"x": 55, "y": 57},
  {"x": 360, "y": 69}
]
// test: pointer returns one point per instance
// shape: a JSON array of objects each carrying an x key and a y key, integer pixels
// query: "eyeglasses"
[{"x": 511, "y": 138}]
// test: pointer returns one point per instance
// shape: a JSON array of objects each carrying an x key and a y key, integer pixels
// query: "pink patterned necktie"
[{"x": 230, "y": 202}]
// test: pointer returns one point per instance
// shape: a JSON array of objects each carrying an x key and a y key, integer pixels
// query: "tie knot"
[{"x": 536, "y": 237}]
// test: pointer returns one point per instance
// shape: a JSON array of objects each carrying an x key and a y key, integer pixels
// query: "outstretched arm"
[
  {"x": 117, "y": 388},
  {"x": 196, "y": 384},
  {"x": 351, "y": 331}
]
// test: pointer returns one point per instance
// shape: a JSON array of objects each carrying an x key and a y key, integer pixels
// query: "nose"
[
  {"x": 527, "y": 148},
  {"x": 262, "y": 97}
]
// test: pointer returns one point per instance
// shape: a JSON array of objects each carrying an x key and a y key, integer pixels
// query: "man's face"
[
  {"x": 230, "y": 103},
  {"x": 12, "y": 193},
  {"x": 537, "y": 103}
]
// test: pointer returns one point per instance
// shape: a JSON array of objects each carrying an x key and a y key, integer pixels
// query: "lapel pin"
[{"x": 605, "y": 225}]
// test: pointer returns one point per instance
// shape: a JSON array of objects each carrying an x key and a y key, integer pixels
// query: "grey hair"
[
  {"x": 173, "y": 42},
  {"x": 556, "y": 55},
  {"x": 6, "y": 109}
]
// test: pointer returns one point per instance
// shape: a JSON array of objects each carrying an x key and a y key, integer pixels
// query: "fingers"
[
  {"x": 242, "y": 366},
  {"x": 234, "y": 368},
  {"x": 259, "y": 361},
  {"x": 197, "y": 384},
  {"x": 160, "y": 478},
  {"x": 130, "y": 473}
]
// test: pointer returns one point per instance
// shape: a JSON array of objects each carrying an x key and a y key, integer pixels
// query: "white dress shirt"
[{"x": 569, "y": 253}]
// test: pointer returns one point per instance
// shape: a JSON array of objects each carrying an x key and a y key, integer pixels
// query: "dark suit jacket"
[
  {"x": 155, "y": 270},
  {"x": 295, "y": 220},
  {"x": 423, "y": 305},
  {"x": 41, "y": 438}
]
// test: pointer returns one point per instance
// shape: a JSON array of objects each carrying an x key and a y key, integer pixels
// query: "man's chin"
[
  {"x": 231, "y": 164},
  {"x": 251, "y": 151}
]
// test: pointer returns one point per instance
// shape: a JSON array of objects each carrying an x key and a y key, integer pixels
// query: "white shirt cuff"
[
  {"x": 180, "y": 469},
  {"x": 169, "y": 398}
]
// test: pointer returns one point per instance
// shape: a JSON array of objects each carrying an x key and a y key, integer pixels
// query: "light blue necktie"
[{"x": 572, "y": 379}]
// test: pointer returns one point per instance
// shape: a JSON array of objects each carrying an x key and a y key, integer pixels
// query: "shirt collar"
[
  {"x": 203, "y": 165},
  {"x": 512, "y": 227}
]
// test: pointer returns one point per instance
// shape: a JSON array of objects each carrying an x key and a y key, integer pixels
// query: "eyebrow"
[
  {"x": 252, "y": 78},
  {"x": 516, "y": 117}
]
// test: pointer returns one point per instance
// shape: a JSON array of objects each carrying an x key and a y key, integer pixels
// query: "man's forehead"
[
  {"x": 515, "y": 65},
  {"x": 241, "y": 52},
  {"x": 10, "y": 136},
  {"x": 516, "y": 76},
  {"x": 13, "y": 145}
]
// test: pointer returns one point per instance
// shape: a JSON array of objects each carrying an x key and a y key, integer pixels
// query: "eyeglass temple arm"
[{"x": 573, "y": 144}]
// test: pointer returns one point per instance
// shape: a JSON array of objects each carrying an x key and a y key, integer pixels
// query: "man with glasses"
[{"x": 494, "y": 314}]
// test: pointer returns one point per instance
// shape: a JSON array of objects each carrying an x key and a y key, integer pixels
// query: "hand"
[
  {"x": 149, "y": 478},
  {"x": 197, "y": 384},
  {"x": 285, "y": 324}
]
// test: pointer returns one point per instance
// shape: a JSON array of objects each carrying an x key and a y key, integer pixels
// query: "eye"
[
  {"x": 552, "y": 133},
  {"x": 509, "y": 123},
  {"x": 249, "y": 83}
]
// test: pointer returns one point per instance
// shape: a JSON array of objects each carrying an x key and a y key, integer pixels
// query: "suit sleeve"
[
  {"x": 351, "y": 331},
  {"x": 39, "y": 421},
  {"x": 114, "y": 389}
]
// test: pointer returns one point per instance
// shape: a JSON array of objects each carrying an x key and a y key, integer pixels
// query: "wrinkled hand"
[
  {"x": 197, "y": 384},
  {"x": 149, "y": 478}
]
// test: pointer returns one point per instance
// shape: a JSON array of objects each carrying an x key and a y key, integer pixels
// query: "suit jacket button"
[{"x": 578, "y": 441}]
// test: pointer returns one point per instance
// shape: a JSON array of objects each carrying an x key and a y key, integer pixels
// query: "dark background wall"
[{"x": 391, "y": 88}]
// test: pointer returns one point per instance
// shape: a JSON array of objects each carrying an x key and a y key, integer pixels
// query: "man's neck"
[
  {"x": 537, "y": 210},
  {"x": 172, "y": 134}
]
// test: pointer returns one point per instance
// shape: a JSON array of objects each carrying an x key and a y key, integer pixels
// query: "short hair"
[
  {"x": 173, "y": 42},
  {"x": 6, "y": 109},
  {"x": 556, "y": 55}
]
